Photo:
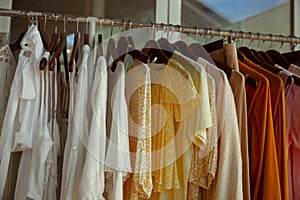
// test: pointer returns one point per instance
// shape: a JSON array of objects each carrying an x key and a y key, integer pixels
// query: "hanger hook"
[
  {"x": 221, "y": 33},
  {"x": 65, "y": 29},
  {"x": 164, "y": 28},
  {"x": 77, "y": 24},
  {"x": 230, "y": 38},
  {"x": 36, "y": 21},
  {"x": 292, "y": 44},
  {"x": 153, "y": 30},
  {"x": 206, "y": 39},
  {"x": 197, "y": 33},
  {"x": 211, "y": 37},
  {"x": 172, "y": 30},
  {"x": 45, "y": 22},
  {"x": 258, "y": 45},
  {"x": 124, "y": 25},
  {"x": 272, "y": 39},
  {"x": 87, "y": 25},
  {"x": 180, "y": 30},
  {"x": 26, "y": 13},
  {"x": 55, "y": 29},
  {"x": 251, "y": 41},
  {"x": 243, "y": 37},
  {"x": 130, "y": 25},
  {"x": 32, "y": 20},
  {"x": 283, "y": 40},
  {"x": 112, "y": 27},
  {"x": 100, "y": 25}
]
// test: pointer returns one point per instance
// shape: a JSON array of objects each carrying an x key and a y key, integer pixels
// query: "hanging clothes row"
[{"x": 165, "y": 120}]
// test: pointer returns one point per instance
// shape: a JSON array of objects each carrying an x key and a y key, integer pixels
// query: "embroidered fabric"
[
  {"x": 4, "y": 39},
  {"x": 204, "y": 168},
  {"x": 7, "y": 72},
  {"x": 138, "y": 97},
  {"x": 172, "y": 89}
]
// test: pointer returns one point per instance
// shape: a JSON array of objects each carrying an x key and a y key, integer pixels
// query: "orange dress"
[
  {"x": 279, "y": 122},
  {"x": 264, "y": 174}
]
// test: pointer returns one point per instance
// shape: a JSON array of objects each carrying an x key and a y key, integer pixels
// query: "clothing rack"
[{"x": 165, "y": 27}]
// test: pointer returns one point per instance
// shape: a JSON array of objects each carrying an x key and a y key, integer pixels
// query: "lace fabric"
[
  {"x": 204, "y": 166},
  {"x": 7, "y": 71},
  {"x": 4, "y": 39},
  {"x": 138, "y": 97}
]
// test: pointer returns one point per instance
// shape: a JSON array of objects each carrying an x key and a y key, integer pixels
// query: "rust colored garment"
[
  {"x": 264, "y": 175},
  {"x": 279, "y": 123}
]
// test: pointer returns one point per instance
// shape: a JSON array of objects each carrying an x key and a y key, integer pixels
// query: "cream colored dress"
[
  {"x": 229, "y": 170},
  {"x": 118, "y": 154}
]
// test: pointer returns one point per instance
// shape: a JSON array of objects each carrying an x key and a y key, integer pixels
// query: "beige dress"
[
  {"x": 229, "y": 170},
  {"x": 228, "y": 56}
]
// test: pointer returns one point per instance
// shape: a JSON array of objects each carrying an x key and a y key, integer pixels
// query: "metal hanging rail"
[{"x": 167, "y": 27}]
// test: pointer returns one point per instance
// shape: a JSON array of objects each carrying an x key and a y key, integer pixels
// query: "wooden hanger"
[
  {"x": 61, "y": 46},
  {"x": 50, "y": 49},
  {"x": 213, "y": 46},
  {"x": 58, "y": 51},
  {"x": 292, "y": 57},
  {"x": 166, "y": 46},
  {"x": 131, "y": 41},
  {"x": 266, "y": 57},
  {"x": 258, "y": 56},
  {"x": 223, "y": 67},
  {"x": 249, "y": 80},
  {"x": 185, "y": 50},
  {"x": 278, "y": 58},
  {"x": 16, "y": 44},
  {"x": 74, "y": 52},
  {"x": 250, "y": 56},
  {"x": 153, "y": 50},
  {"x": 122, "y": 45}
]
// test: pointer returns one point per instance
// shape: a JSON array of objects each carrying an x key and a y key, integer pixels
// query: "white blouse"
[
  {"x": 20, "y": 132},
  {"x": 117, "y": 156},
  {"x": 51, "y": 183},
  {"x": 92, "y": 179},
  {"x": 77, "y": 139}
]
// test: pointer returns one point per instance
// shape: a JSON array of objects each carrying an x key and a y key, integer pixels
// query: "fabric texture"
[
  {"x": 138, "y": 98},
  {"x": 279, "y": 122},
  {"x": 228, "y": 56},
  {"x": 93, "y": 178},
  {"x": 264, "y": 174},
  {"x": 229, "y": 170},
  {"x": 78, "y": 131}
]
